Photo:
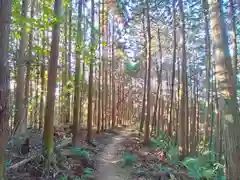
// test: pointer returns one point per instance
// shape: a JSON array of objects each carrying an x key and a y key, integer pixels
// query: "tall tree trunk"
[
  {"x": 143, "y": 116},
  {"x": 193, "y": 119},
  {"x": 234, "y": 45},
  {"x": 28, "y": 64},
  {"x": 113, "y": 80},
  {"x": 225, "y": 85},
  {"x": 208, "y": 66},
  {"x": 65, "y": 89},
  {"x": 36, "y": 96},
  {"x": 68, "y": 114},
  {"x": 173, "y": 69},
  {"x": 178, "y": 103},
  {"x": 19, "y": 121},
  {"x": 99, "y": 76},
  {"x": 5, "y": 21},
  {"x": 43, "y": 82},
  {"x": 90, "y": 78},
  {"x": 79, "y": 50},
  {"x": 104, "y": 33},
  {"x": 159, "y": 81},
  {"x": 149, "y": 59},
  {"x": 183, "y": 101},
  {"x": 51, "y": 84}
]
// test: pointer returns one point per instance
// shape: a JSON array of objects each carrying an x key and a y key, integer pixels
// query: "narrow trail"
[{"x": 109, "y": 167}]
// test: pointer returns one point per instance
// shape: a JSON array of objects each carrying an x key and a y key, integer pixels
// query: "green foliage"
[
  {"x": 90, "y": 53},
  {"x": 162, "y": 168},
  {"x": 68, "y": 88},
  {"x": 88, "y": 173},
  {"x": 203, "y": 146},
  {"x": 132, "y": 68},
  {"x": 166, "y": 144},
  {"x": 7, "y": 163},
  {"x": 238, "y": 84},
  {"x": 63, "y": 178},
  {"x": 163, "y": 141},
  {"x": 173, "y": 155},
  {"x": 128, "y": 159},
  {"x": 201, "y": 166},
  {"x": 82, "y": 152},
  {"x": 197, "y": 167},
  {"x": 104, "y": 44}
]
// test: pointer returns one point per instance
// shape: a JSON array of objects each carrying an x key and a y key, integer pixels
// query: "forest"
[{"x": 119, "y": 90}]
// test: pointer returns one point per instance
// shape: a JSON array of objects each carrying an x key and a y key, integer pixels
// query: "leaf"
[
  {"x": 7, "y": 163},
  {"x": 28, "y": 29},
  {"x": 222, "y": 177},
  {"x": 208, "y": 173},
  {"x": 104, "y": 44},
  {"x": 128, "y": 159},
  {"x": 81, "y": 152}
]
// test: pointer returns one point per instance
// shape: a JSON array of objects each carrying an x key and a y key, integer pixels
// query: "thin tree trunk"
[
  {"x": 208, "y": 66},
  {"x": 113, "y": 81},
  {"x": 234, "y": 45},
  {"x": 68, "y": 114},
  {"x": 143, "y": 116},
  {"x": 19, "y": 121},
  {"x": 79, "y": 50},
  {"x": 90, "y": 79},
  {"x": 149, "y": 58},
  {"x": 173, "y": 69}
]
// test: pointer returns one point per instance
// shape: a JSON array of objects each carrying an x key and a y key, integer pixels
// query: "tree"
[
  {"x": 113, "y": 78},
  {"x": 5, "y": 20},
  {"x": 90, "y": 78},
  {"x": 51, "y": 85},
  {"x": 20, "y": 120},
  {"x": 79, "y": 52},
  {"x": 149, "y": 59},
  {"x": 183, "y": 101},
  {"x": 143, "y": 116},
  {"x": 225, "y": 85},
  {"x": 208, "y": 66},
  {"x": 173, "y": 68}
]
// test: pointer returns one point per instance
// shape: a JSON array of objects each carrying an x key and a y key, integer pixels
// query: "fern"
[
  {"x": 88, "y": 173},
  {"x": 202, "y": 167},
  {"x": 198, "y": 167},
  {"x": 7, "y": 163},
  {"x": 173, "y": 155},
  {"x": 128, "y": 159},
  {"x": 63, "y": 178},
  {"x": 81, "y": 152}
]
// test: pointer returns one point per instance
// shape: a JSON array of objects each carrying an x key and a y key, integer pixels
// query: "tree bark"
[
  {"x": 5, "y": 21},
  {"x": 225, "y": 85}
]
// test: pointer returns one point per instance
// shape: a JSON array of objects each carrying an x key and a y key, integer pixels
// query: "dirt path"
[{"x": 109, "y": 167}]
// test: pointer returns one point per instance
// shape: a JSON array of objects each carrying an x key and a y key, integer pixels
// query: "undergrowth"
[
  {"x": 128, "y": 159},
  {"x": 82, "y": 152},
  {"x": 88, "y": 172},
  {"x": 198, "y": 167}
]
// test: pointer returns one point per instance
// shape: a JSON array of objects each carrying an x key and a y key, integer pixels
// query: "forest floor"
[{"x": 116, "y": 154}]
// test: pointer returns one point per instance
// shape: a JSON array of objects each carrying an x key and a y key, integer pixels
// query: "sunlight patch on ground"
[
  {"x": 118, "y": 138},
  {"x": 111, "y": 161}
]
